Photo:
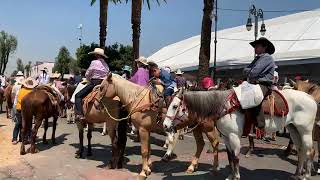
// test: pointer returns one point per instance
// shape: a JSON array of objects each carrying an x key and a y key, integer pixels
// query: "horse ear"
[
  {"x": 109, "y": 76},
  {"x": 292, "y": 82},
  {"x": 306, "y": 81}
]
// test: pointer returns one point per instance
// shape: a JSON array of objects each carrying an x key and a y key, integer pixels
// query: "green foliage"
[
  {"x": 28, "y": 69},
  {"x": 119, "y": 55},
  {"x": 148, "y": 2},
  {"x": 14, "y": 73},
  {"x": 8, "y": 45},
  {"x": 20, "y": 65},
  {"x": 62, "y": 61}
]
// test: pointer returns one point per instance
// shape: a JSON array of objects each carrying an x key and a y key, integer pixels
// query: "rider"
[
  {"x": 261, "y": 71},
  {"x": 141, "y": 77},
  {"x": 180, "y": 80},
  {"x": 207, "y": 83},
  {"x": 126, "y": 72},
  {"x": 163, "y": 78},
  {"x": 96, "y": 72},
  {"x": 44, "y": 78}
]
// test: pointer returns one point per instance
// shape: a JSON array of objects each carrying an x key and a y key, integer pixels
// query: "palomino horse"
[
  {"x": 180, "y": 118},
  {"x": 137, "y": 101},
  {"x": 299, "y": 121},
  {"x": 41, "y": 103},
  {"x": 9, "y": 100},
  {"x": 314, "y": 91}
]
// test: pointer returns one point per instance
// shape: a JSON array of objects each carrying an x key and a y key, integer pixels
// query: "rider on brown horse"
[{"x": 261, "y": 71}]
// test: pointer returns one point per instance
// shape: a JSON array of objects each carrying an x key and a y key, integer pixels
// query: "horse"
[
  {"x": 2, "y": 99},
  {"x": 213, "y": 104},
  {"x": 9, "y": 100},
  {"x": 207, "y": 127},
  {"x": 116, "y": 130},
  {"x": 69, "y": 106},
  {"x": 41, "y": 103},
  {"x": 314, "y": 91},
  {"x": 137, "y": 101}
]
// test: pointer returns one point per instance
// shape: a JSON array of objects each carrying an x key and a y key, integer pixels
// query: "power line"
[{"x": 271, "y": 11}]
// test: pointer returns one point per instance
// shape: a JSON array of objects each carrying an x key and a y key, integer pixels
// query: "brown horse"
[
  {"x": 9, "y": 100},
  {"x": 188, "y": 120},
  {"x": 2, "y": 99},
  {"x": 38, "y": 104},
  {"x": 137, "y": 101}
]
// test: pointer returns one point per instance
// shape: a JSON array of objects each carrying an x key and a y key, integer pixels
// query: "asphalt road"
[{"x": 57, "y": 162}]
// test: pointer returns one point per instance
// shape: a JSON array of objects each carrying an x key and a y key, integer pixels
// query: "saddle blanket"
[
  {"x": 78, "y": 89},
  {"x": 249, "y": 95}
]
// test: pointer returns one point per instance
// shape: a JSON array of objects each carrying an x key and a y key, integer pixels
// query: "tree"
[
  {"x": 204, "y": 55},
  {"x": 103, "y": 20},
  {"x": 28, "y": 69},
  {"x": 136, "y": 9},
  {"x": 118, "y": 56},
  {"x": 20, "y": 65},
  {"x": 8, "y": 45},
  {"x": 14, "y": 73},
  {"x": 62, "y": 61}
]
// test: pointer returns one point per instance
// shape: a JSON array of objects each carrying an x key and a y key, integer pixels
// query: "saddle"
[
  {"x": 53, "y": 96},
  {"x": 275, "y": 104}
]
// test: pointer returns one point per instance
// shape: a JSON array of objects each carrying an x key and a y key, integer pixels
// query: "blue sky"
[{"x": 42, "y": 27}]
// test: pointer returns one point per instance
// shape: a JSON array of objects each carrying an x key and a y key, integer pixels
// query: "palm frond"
[{"x": 92, "y": 2}]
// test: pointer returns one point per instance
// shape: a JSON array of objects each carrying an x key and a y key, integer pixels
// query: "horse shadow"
[{"x": 59, "y": 140}]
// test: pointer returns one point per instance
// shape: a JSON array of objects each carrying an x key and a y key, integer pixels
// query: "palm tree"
[
  {"x": 136, "y": 9},
  {"x": 204, "y": 55},
  {"x": 103, "y": 20}
]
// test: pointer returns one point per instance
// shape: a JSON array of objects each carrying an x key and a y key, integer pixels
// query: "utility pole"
[{"x": 215, "y": 41}]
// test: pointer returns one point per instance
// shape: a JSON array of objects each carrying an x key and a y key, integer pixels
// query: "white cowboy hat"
[
  {"x": 55, "y": 75},
  {"x": 98, "y": 51},
  {"x": 30, "y": 83},
  {"x": 179, "y": 72},
  {"x": 142, "y": 60},
  {"x": 19, "y": 73}
]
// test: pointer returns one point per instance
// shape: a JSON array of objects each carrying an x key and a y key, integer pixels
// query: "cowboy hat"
[
  {"x": 265, "y": 42},
  {"x": 142, "y": 60},
  {"x": 30, "y": 83},
  {"x": 179, "y": 72},
  {"x": 44, "y": 69},
  {"x": 127, "y": 68},
  {"x": 55, "y": 75},
  {"x": 19, "y": 73},
  {"x": 98, "y": 51}
]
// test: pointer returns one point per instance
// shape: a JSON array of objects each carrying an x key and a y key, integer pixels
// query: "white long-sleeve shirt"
[{"x": 43, "y": 78}]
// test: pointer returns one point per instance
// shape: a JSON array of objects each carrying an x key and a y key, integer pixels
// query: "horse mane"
[{"x": 204, "y": 104}]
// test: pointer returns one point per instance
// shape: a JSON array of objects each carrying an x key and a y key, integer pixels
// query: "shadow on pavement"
[{"x": 59, "y": 140}]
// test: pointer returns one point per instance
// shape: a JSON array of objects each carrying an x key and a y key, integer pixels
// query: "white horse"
[{"x": 299, "y": 121}]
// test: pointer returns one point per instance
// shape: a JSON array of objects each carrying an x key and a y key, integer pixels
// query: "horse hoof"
[
  {"x": 167, "y": 158},
  {"x": 296, "y": 177},
  {"x": 103, "y": 134},
  {"x": 34, "y": 151},
  {"x": 78, "y": 156},
  {"x": 141, "y": 177},
  {"x": 22, "y": 152},
  {"x": 45, "y": 142},
  {"x": 54, "y": 142}
]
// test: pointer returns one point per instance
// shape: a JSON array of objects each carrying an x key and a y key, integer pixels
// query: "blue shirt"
[{"x": 166, "y": 79}]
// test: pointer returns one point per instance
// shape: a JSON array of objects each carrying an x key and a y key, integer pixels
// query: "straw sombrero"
[
  {"x": 98, "y": 51},
  {"x": 55, "y": 75},
  {"x": 19, "y": 73},
  {"x": 30, "y": 83},
  {"x": 179, "y": 72},
  {"x": 142, "y": 60}
]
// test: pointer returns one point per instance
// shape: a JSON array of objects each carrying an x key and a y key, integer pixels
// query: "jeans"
[
  {"x": 18, "y": 126},
  {"x": 83, "y": 93}
]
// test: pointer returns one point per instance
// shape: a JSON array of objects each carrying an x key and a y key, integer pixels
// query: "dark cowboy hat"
[{"x": 265, "y": 42}]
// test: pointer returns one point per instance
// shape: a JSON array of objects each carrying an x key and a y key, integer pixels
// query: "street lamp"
[
  {"x": 257, "y": 13},
  {"x": 80, "y": 36}
]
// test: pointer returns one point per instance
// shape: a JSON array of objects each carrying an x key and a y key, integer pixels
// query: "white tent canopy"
[{"x": 295, "y": 36}]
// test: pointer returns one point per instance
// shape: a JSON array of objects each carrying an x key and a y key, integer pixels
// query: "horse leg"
[
  {"x": 289, "y": 149},
  {"x": 318, "y": 156},
  {"x": 122, "y": 141},
  {"x": 251, "y": 146},
  {"x": 44, "y": 138},
  {"x": 112, "y": 164},
  {"x": 89, "y": 136},
  {"x": 214, "y": 141},
  {"x": 307, "y": 153},
  {"x": 171, "y": 144},
  {"x": 294, "y": 134},
  {"x": 145, "y": 141},
  {"x": 104, "y": 131},
  {"x": 35, "y": 129},
  {"x": 197, "y": 133},
  {"x": 235, "y": 146},
  {"x": 23, "y": 132},
  {"x": 80, "y": 150},
  {"x": 54, "y": 126}
]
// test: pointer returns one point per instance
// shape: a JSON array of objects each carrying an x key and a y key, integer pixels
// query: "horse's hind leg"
[
  {"x": 307, "y": 153},
  {"x": 294, "y": 134},
  {"x": 200, "y": 144},
  {"x": 44, "y": 139},
  {"x": 89, "y": 136},
  {"x": 145, "y": 141},
  {"x": 34, "y": 136},
  {"x": 214, "y": 141},
  {"x": 54, "y": 127},
  {"x": 80, "y": 129},
  {"x": 318, "y": 142},
  {"x": 234, "y": 145}
]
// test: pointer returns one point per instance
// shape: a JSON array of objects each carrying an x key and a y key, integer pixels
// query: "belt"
[{"x": 264, "y": 83}]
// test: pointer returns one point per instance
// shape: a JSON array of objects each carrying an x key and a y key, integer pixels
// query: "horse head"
[
  {"x": 106, "y": 88},
  {"x": 176, "y": 113}
]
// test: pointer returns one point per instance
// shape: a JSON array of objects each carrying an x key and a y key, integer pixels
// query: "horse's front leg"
[
  {"x": 89, "y": 136},
  {"x": 171, "y": 142},
  {"x": 251, "y": 146},
  {"x": 54, "y": 127},
  {"x": 145, "y": 141},
  {"x": 214, "y": 141},
  {"x": 44, "y": 138},
  {"x": 197, "y": 133},
  {"x": 80, "y": 150}
]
